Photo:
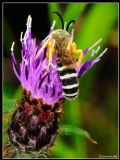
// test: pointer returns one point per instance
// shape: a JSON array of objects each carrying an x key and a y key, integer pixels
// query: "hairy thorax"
[{"x": 62, "y": 45}]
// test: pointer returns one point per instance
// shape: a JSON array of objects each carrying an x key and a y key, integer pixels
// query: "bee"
[
  {"x": 66, "y": 61},
  {"x": 64, "y": 50}
]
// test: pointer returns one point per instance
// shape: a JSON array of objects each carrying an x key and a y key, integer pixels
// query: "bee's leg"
[
  {"x": 39, "y": 51},
  {"x": 77, "y": 51},
  {"x": 80, "y": 59},
  {"x": 49, "y": 56}
]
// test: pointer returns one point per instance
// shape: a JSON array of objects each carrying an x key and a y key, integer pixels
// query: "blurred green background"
[{"x": 96, "y": 108}]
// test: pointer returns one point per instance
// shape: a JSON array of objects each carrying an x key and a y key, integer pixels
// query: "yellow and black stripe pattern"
[{"x": 69, "y": 80}]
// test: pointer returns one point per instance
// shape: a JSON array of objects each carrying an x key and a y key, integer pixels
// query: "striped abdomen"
[{"x": 69, "y": 80}]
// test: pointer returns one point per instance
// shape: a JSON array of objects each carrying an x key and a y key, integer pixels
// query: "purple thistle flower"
[
  {"x": 32, "y": 69},
  {"x": 35, "y": 122}
]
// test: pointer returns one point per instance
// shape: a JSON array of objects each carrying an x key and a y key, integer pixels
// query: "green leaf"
[
  {"x": 52, "y": 7},
  {"x": 74, "y": 10},
  {"x": 61, "y": 147},
  {"x": 5, "y": 137},
  {"x": 72, "y": 130},
  {"x": 8, "y": 108},
  {"x": 18, "y": 93},
  {"x": 97, "y": 24},
  {"x": 8, "y": 105},
  {"x": 8, "y": 89}
]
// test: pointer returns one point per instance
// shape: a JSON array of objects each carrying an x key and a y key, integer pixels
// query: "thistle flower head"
[
  {"x": 32, "y": 75},
  {"x": 35, "y": 122}
]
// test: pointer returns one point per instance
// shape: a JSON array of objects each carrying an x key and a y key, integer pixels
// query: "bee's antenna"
[
  {"x": 60, "y": 19},
  {"x": 68, "y": 25}
]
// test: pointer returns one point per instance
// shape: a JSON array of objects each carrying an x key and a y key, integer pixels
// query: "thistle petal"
[{"x": 89, "y": 63}]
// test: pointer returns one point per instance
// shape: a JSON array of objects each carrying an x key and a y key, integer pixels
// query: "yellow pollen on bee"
[
  {"x": 73, "y": 47},
  {"x": 50, "y": 49},
  {"x": 49, "y": 53},
  {"x": 47, "y": 44},
  {"x": 80, "y": 59},
  {"x": 77, "y": 51}
]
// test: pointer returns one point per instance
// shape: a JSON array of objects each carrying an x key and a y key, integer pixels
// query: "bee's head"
[{"x": 60, "y": 35}]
